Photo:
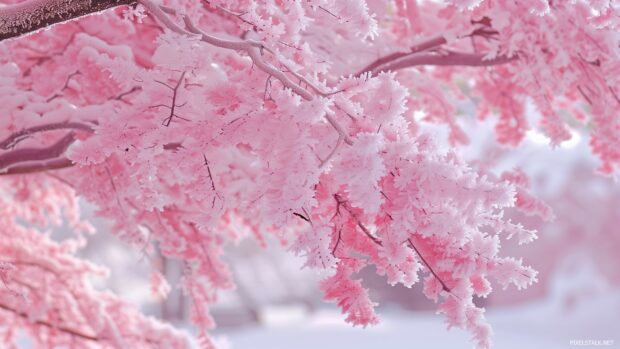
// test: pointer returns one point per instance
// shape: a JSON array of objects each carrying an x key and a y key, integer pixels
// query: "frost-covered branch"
[
  {"x": 430, "y": 52},
  {"x": 173, "y": 105},
  {"x": 450, "y": 58},
  {"x": 17, "y": 137},
  {"x": 44, "y": 288},
  {"x": 420, "y": 47},
  {"x": 36, "y": 154},
  {"x": 31, "y": 160},
  {"x": 40, "y": 166},
  {"x": 31, "y": 15},
  {"x": 51, "y": 326},
  {"x": 394, "y": 200}
]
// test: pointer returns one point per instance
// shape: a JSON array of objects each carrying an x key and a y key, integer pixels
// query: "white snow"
[{"x": 544, "y": 324}]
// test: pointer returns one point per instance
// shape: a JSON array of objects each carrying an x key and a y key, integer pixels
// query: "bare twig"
[
  {"x": 443, "y": 284},
  {"x": 174, "y": 105},
  {"x": 342, "y": 202},
  {"x": 337, "y": 242}
]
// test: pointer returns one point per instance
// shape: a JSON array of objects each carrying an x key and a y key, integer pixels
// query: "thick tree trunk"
[{"x": 31, "y": 15}]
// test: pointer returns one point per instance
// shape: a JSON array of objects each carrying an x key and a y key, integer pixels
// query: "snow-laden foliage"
[
  {"x": 205, "y": 121},
  {"x": 45, "y": 288}
]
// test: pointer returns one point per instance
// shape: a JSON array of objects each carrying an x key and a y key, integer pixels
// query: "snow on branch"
[{"x": 31, "y": 15}]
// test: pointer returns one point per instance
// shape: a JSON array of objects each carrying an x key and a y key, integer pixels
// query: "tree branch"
[
  {"x": 443, "y": 284},
  {"x": 53, "y": 164},
  {"x": 36, "y": 154},
  {"x": 342, "y": 136},
  {"x": 253, "y": 48},
  {"x": 17, "y": 137},
  {"x": 423, "y": 46},
  {"x": 427, "y": 53},
  {"x": 342, "y": 202},
  {"x": 50, "y": 325},
  {"x": 451, "y": 58},
  {"x": 31, "y": 15}
]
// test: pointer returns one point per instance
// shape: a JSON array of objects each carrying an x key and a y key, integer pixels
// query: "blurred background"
[{"x": 277, "y": 304}]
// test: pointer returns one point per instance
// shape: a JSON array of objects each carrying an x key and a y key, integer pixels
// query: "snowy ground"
[
  {"x": 537, "y": 325},
  {"x": 545, "y": 324},
  {"x": 548, "y": 324}
]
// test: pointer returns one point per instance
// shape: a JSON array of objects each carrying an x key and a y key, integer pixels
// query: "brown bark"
[{"x": 31, "y": 15}]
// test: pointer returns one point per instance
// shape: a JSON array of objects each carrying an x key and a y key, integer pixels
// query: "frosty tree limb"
[
  {"x": 426, "y": 53},
  {"x": 17, "y": 137},
  {"x": 31, "y": 15},
  {"x": 252, "y": 47},
  {"x": 403, "y": 205},
  {"x": 51, "y": 326},
  {"x": 32, "y": 167},
  {"x": 420, "y": 47},
  {"x": 36, "y": 154},
  {"x": 449, "y": 58},
  {"x": 29, "y": 160}
]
